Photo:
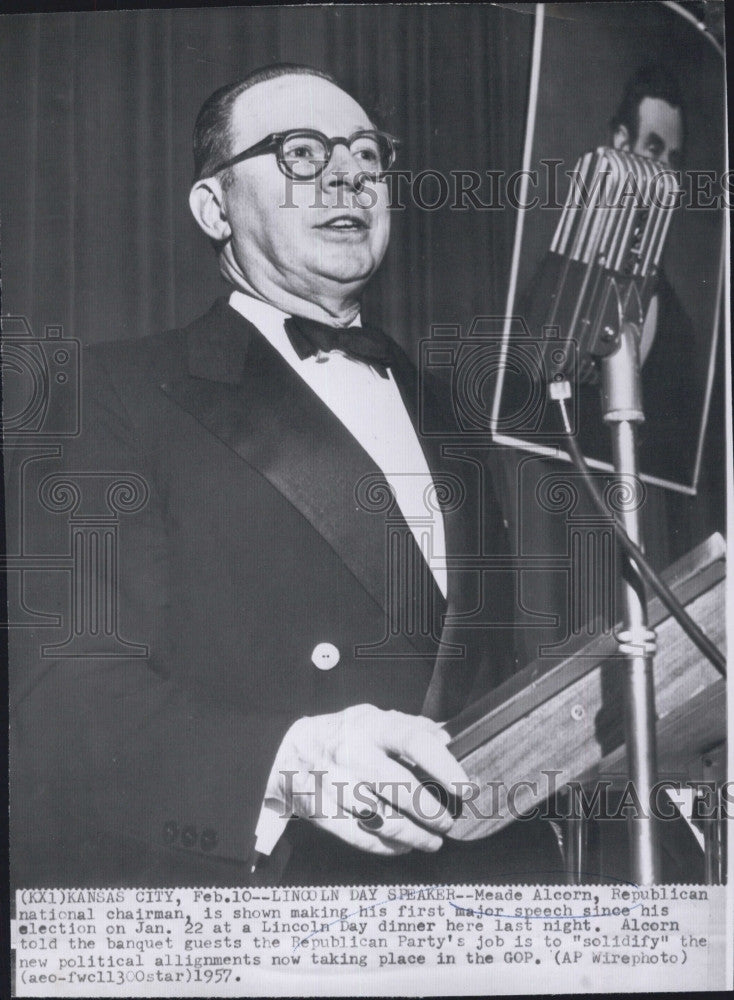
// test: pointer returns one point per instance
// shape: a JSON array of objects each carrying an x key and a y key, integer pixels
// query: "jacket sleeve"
[{"x": 108, "y": 746}]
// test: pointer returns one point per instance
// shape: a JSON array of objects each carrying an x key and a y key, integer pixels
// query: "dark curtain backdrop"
[{"x": 97, "y": 116}]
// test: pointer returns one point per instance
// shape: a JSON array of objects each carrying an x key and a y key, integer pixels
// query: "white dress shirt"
[{"x": 372, "y": 410}]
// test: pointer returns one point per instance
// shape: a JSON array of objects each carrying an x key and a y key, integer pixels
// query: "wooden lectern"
[{"x": 566, "y": 715}]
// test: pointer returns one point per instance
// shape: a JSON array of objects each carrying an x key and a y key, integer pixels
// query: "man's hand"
[{"x": 342, "y": 772}]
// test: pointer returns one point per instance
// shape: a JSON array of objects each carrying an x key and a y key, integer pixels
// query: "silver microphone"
[{"x": 604, "y": 259}]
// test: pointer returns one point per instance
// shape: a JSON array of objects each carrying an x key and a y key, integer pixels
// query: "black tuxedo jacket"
[{"x": 264, "y": 533}]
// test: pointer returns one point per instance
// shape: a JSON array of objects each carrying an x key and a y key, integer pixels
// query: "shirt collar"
[{"x": 269, "y": 320}]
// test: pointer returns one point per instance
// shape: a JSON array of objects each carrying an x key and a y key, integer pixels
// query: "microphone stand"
[
  {"x": 608, "y": 263},
  {"x": 622, "y": 410}
]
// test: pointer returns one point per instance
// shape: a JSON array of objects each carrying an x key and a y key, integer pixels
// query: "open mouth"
[{"x": 344, "y": 223}]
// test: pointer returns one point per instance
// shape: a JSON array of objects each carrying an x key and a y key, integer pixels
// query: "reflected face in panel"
[{"x": 659, "y": 133}]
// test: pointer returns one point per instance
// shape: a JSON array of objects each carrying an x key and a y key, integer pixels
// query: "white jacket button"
[{"x": 325, "y": 656}]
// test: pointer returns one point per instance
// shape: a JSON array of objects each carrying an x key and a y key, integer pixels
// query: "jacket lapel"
[
  {"x": 445, "y": 471},
  {"x": 441, "y": 440},
  {"x": 442, "y": 446},
  {"x": 240, "y": 389}
]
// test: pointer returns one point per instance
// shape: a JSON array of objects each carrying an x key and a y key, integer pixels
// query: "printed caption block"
[{"x": 346, "y": 940}]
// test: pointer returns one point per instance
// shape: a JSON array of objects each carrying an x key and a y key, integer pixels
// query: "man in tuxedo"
[{"x": 286, "y": 636}]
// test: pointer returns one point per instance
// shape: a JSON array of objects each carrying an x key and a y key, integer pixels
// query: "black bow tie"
[{"x": 366, "y": 343}]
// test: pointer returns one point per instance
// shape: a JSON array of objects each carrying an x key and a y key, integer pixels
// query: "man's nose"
[{"x": 343, "y": 169}]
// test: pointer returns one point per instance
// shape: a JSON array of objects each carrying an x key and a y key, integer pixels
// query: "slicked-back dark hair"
[
  {"x": 213, "y": 128},
  {"x": 651, "y": 80}
]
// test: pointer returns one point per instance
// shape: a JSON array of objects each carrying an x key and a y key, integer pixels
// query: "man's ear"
[
  {"x": 206, "y": 201},
  {"x": 621, "y": 139}
]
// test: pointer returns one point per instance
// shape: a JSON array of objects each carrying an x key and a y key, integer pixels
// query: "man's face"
[
  {"x": 316, "y": 239},
  {"x": 659, "y": 133}
]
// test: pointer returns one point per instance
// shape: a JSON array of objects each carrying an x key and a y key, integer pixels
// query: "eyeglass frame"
[{"x": 273, "y": 143}]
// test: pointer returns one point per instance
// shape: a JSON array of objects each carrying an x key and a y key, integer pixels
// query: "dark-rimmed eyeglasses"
[{"x": 303, "y": 154}]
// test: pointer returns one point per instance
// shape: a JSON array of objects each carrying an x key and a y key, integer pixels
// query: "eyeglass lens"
[{"x": 306, "y": 155}]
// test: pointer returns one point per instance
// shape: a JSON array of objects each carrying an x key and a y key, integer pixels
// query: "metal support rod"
[
  {"x": 714, "y": 841},
  {"x": 621, "y": 403},
  {"x": 576, "y": 841}
]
